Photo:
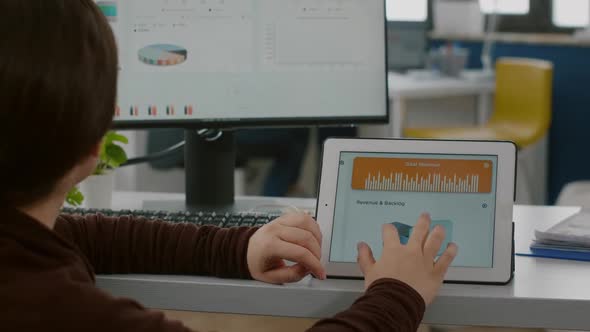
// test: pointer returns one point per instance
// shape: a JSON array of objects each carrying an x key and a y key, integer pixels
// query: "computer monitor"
[
  {"x": 229, "y": 64},
  {"x": 407, "y": 33},
  {"x": 407, "y": 45}
]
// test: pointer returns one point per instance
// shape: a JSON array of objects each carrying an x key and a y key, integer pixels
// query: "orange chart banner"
[{"x": 422, "y": 175}]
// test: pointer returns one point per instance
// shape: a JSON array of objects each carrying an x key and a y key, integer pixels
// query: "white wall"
[
  {"x": 142, "y": 177},
  {"x": 458, "y": 17}
]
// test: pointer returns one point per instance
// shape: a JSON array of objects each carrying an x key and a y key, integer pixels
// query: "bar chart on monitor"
[{"x": 422, "y": 175}]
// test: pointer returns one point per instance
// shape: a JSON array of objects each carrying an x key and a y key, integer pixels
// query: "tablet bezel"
[{"x": 500, "y": 272}]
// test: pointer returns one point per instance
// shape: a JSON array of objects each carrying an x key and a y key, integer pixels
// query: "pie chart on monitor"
[{"x": 163, "y": 55}]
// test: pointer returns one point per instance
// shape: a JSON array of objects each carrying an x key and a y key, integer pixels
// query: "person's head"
[{"x": 58, "y": 82}]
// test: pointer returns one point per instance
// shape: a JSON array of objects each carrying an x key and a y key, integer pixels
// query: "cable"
[
  {"x": 210, "y": 135},
  {"x": 156, "y": 156}
]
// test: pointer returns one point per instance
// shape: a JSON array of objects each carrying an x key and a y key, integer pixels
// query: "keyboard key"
[
  {"x": 248, "y": 221},
  {"x": 219, "y": 221},
  {"x": 209, "y": 221},
  {"x": 261, "y": 221}
]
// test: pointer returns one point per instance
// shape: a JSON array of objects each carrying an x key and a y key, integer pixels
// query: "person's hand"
[
  {"x": 414, "y": 263},
  {"x": 294, "y": 237}
]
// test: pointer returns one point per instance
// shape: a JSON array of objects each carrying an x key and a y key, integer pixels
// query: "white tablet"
[{"x": 466, "y": 186}]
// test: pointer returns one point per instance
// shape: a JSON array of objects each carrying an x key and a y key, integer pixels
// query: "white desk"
[
  {"x": 403, "y": 88},
  {"x": 545, "y": 293}
]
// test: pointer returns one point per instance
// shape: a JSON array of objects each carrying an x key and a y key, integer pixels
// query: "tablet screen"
[{"x": 459, "y": 192}]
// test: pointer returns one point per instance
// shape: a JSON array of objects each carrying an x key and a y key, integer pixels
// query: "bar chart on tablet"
[
  {"x": 422, "y": 175},
  {"x": 376, "y": 188}
]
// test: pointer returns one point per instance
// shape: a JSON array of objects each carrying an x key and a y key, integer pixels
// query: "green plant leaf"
[
  {"x": 75, "y": 197},
  {"x": 116, "y": 156},
  {"x": 112, "y": 137},
  {"x": 111, "y": 155},
  {"x": 100, "y": 169}
]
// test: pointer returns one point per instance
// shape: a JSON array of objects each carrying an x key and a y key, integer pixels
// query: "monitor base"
[{"x": 209, "y": 167}]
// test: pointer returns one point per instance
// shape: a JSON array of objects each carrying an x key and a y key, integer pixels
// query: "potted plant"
[{"x": 97, "y": 190}]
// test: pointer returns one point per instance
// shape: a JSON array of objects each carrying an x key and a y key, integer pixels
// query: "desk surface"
[
  {"x": 545, "y": 293},
  {"x": 432, "y": 86},
  {"x": 551, "y": 39}
]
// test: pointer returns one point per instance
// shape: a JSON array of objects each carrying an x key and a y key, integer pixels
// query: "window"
[
  {"x": 571, "y": 13},
  {"x": 407, "y": 11},
  {"x": 505, "y": 7}
]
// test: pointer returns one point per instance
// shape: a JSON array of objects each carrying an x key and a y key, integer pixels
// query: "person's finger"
[
  {"x": 420, "y": 232},
  {"x": 286, "y": 274},
  {"x": 299, "y": 255},
  {"x": 390, "y": 236},
  {"x": 303, "y": 221},
  {"x": 365, "y": 257},
  {"x": 444, "y": 261},
  {"x": 302, "y": 238},
  {"x": 433, "y": 242}
]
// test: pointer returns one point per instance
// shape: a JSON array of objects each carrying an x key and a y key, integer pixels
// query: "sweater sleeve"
[
  {"x": 92, "y": 310},
  {"x": 388, "y": 305},
  {"x": 136, "y": 245}
]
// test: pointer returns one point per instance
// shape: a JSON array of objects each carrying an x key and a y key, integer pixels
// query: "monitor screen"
[
  {"x": 407, "y": 44},
  {"x": 249, "y": 62},
  {"x": 459, "y": 192}
]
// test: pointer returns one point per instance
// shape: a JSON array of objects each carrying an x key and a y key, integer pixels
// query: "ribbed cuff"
[{"x": 392, "y": 289}]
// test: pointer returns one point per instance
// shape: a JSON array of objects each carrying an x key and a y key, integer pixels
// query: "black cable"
[
  {"x": 207, "y": 134},
  {"x": 155, "y": 156}
]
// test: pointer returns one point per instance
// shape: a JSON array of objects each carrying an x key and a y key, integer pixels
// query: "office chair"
[{"x": 522, "y": 114}]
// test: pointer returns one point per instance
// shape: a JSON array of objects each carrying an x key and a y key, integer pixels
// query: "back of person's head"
[{"x": 58, "y": 82}]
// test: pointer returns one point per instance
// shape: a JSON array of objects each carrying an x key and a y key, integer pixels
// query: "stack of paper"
[{"x": 570, "y": 239}]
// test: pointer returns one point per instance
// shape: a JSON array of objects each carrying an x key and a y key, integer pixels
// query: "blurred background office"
[{"x": 490, "y": 69}]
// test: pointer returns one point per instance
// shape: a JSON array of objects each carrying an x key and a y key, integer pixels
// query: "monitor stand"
[{"x": 209, "y": 167}]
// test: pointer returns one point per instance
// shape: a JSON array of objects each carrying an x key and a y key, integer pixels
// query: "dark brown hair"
[{"x": 58, "y": 82}]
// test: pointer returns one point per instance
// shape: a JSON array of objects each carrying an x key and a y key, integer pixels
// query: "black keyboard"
[{"x": 200, "y": 218}]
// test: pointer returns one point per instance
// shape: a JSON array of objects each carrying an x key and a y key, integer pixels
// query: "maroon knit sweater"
[{"x": 47, "y": 277}]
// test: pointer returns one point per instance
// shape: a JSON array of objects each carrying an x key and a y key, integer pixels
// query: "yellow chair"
[
  {"x": 522, "y": 106},
  {"x": 522, "y": 114}
]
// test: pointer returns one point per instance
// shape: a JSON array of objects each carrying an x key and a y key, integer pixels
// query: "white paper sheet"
[{"x": 574, "y": 232}]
